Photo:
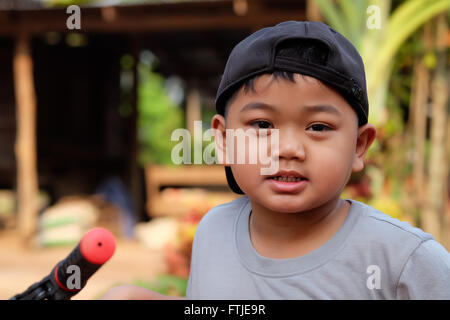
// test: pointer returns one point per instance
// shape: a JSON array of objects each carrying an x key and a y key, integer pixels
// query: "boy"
[{"x": 291, "y": 236}]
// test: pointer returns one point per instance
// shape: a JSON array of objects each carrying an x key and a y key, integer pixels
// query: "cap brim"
[{"x": 231, "y": 181}]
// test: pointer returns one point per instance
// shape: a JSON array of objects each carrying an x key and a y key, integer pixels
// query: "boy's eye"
[
  {"x": 262, "y": 124},
  {"x": 319, "y": 127}
]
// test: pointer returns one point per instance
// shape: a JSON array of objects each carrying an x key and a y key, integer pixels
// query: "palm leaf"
[
  {"x": 352, "y": 14},
  {"x": 410, "y": 16}
]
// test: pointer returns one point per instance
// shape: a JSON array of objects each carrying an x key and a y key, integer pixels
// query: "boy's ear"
[
  {"x": 366, "y": 136},
  {"x": 219, "y": 131}
]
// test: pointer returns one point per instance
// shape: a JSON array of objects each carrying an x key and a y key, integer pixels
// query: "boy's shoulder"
[
  {"x": 382, "y": 226},
  {"x": 407, "y": 252},
  {"x": 217, "y": 225},
  {"x": 395, "y": 244},
  {"x": 225, "y": 212}
]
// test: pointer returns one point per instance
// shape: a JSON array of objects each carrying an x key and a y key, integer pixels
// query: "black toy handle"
[{"x": 70, "y": 275}]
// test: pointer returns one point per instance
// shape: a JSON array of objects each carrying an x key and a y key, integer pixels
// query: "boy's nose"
[{"x": 290, "y": 147}]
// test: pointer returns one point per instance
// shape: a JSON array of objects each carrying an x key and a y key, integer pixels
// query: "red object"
[{"x": 97, "y": 245}]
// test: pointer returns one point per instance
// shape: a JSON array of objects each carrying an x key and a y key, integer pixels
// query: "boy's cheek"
[
  {"x": 331, "y": 169},
  {"x": 251, "y": 148},
  {"x": 220, "y": 149},
  {"x": 246, "y": 175}
]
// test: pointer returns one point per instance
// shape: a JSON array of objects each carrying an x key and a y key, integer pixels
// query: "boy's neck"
[{"x": 287, "y": 235}]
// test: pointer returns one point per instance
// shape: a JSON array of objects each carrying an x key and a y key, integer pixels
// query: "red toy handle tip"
[{"x": 98, "y": 245}]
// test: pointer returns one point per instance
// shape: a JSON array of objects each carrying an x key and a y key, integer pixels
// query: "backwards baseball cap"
[{"x": 339, "y": 65}]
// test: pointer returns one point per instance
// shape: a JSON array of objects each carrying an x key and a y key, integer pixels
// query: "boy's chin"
[
  {"x": 291, "y": 208},
  {"x": 285, "y": 203}
]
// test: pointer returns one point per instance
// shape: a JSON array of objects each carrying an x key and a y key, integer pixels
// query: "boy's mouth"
[
  {"x": 287, "y": 176},
  {"x": 287, "y": 181}
]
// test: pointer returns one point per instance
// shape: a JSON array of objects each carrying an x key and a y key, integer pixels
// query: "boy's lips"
[{"x": 287, "y": 181}]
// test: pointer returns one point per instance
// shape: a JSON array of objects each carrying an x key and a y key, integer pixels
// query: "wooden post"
[
  {"x": 313, "y": 11},
  {"x": 193, "y": 109},
  {"x": 419, "y": 101},
  {"x": 434, "y": 211},
  {"x": 25, "y": 147}
]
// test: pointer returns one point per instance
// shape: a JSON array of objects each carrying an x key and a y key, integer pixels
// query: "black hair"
[{"x": 249, "y": 84}]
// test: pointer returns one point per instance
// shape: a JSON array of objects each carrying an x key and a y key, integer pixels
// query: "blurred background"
[{"x": 90, "y": 95}]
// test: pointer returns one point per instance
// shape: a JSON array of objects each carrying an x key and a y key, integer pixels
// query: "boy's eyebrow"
[
  {"x": 258, "y": 105},
  {"x": 322, "y": 108},
  {"x": 308, "y": 109}
]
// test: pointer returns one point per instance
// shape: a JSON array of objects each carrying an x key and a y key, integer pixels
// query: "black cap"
[{"x": 342, "y": 68}]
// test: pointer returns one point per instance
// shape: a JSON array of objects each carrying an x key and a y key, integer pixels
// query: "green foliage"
[
  {"x": 378, "y": 47},
  {"x": 166, "y": 284},
  {"x": 347, "y": 17},
  {"x": 403, "y": 22},
  {"x": 400, "y": 84},
  {"x": 158, "y": 117}
]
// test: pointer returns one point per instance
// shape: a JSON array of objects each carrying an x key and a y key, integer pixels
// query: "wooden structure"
[
  {"x": 158, "y": 177},
  {"x": 25, "y": 148},
  {"x": 69, "y": 133}
]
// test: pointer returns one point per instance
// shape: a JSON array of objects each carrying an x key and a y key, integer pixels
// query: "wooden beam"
[
  {"x": 181, "y": 16},
  {"x": 25, "y": 147}
]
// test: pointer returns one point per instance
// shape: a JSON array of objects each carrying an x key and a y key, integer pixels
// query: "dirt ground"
[{"x": 21, "y": 266}]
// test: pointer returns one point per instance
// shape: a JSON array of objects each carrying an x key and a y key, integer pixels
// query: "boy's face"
[{"x": 324, "y": 147}]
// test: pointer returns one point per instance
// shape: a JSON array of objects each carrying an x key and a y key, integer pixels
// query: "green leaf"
[
  {"x": 158, "y": 117},
  {"x": 333, "y": 16},
  {"x": 413, "y": 15},
  {"x": 354, "y": 16}
]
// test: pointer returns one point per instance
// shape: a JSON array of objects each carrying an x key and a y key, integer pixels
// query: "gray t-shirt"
[{"x": 372, "y": 256}]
